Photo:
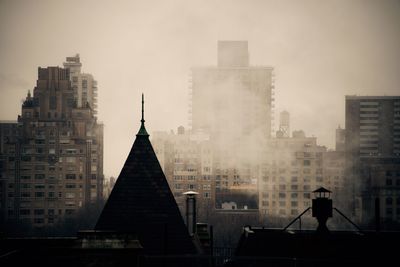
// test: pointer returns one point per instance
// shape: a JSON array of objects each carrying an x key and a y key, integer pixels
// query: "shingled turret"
[{"x": 141, "y": 202}]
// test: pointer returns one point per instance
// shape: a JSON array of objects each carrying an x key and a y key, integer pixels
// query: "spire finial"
[
  {"x": 142, "y": 130},
  {"x": 142, "y": 109}
]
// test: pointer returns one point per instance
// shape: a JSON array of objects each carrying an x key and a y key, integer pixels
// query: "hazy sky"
[{"x": 321, "y": 51}]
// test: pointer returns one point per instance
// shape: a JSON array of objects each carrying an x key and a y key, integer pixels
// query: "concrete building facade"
[
  {"x": 373, "y": 155},
  {"x": 294, "y": 167},
  {"x": 187, "y": 162},
  {"x": 52, "y": 160},
  {"x": 292, "y": 170},
  {"x": 83, "y": 85},
  {"x": 233, "y": 98}
]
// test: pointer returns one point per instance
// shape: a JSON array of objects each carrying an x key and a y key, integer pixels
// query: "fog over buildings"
[{"x": 320, "y": 52}]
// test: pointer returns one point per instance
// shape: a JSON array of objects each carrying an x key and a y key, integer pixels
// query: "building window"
[
  {"x": 389, "y": 211},
  {"x": 38, "y": 211},
  {"x": 39, "y": 167},
  {"x": 39, "y": 176},
  {"x": 26, "y": 158},
  {"x": 53, "y": 102},
  {"x": 39, "y": 194},
  {"x": 389, "y": 201},
  {"x": 207, "y": 187},
  {"x": 70, "y": 176},
  {"x": 40, "y": 186},
  {"x": 178, "y": 186},
  {"x": 206, "y": 177},
  {"x": 69, "y": 195},
  {"x": 69, "y": 211},
  {"x": 25, "y": 185},
  {"x": 25, "y": 212},
  {"x": 306, "y": 162},
  {"x": 191, "y": 186},
  {"x": 25, "y": 194}
]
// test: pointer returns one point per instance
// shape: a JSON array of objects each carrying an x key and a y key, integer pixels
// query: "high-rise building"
[
  {"x": 372, "y": 145},
  {"x": 83, "y": 84},
  {"x": 233, "y": 98},
  {"x": 232, "y": 103},
  {"x": 293, "y": 168},
  {"x": 8, "y": 135},
  {"x": 187, "y": 161},
  {"x": 52, "y": 158},
  {"x": 340, "y": 136}
]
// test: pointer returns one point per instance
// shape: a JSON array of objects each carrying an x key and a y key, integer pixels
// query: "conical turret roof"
[{"x": 142, "y": 202}]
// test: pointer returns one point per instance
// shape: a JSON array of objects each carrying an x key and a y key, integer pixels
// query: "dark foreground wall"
[
  {"x": 264, "y": 247},
  {"x": 61, "y": 252}
]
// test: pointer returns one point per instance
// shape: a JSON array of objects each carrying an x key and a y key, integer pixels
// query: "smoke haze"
[{"x": 320, "y": 50}]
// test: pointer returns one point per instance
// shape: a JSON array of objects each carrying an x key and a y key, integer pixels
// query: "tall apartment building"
[
  {"x": 233, "y": 102},
  {"x": 187, "y": 162},
  {"x": 83, "y": 84},
  {"x": 373, "y": 155},
  {"x": 232, "y": 99},
  {"x": 293, "y": 169},
  {"x": 8, "y": 134},
  {"x": 52, "y": 158}
]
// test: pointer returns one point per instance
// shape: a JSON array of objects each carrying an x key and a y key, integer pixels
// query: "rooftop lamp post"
[
  {"x": 322, "y": 208},
  {"x": 191, "y": 197}
]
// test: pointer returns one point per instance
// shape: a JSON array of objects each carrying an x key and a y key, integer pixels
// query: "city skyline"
[{"x": 320, "y": 52}]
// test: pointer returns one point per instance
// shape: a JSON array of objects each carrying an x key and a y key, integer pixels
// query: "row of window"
[
  {"x": 293, "y": 204},
  {"x": 283, "y": 195},
  {"x": 191, "y": 186},
  {"x": 41, "y": 212}
]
